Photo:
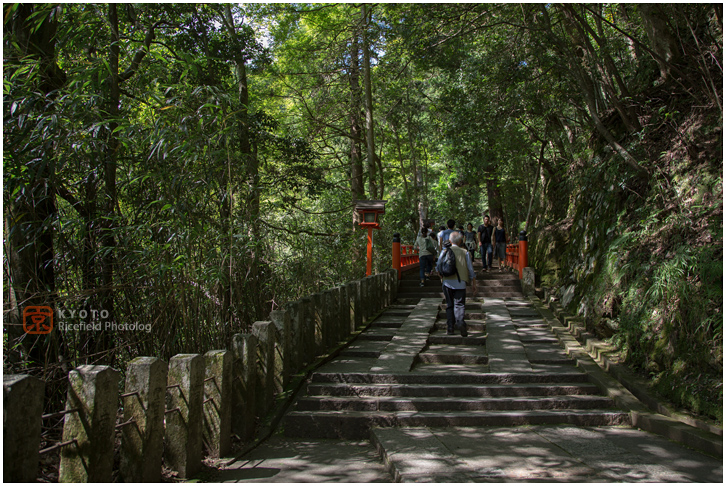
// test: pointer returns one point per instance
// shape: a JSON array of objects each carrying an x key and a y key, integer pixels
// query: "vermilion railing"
[
  {"x": 517, "y": 254},
  {"x": 403, "y": 256}
]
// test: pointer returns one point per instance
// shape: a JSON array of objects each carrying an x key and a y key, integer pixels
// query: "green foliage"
[{"x": 216, "y": 183}]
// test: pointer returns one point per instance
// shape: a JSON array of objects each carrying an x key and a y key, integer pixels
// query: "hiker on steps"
[
  {"x": 486, "y": 232},
  {"x": 500, "y": 243},
  {"x": 445, "y": 234},
  {"x": 426, "y": 251},
  {"x": 455, "y": 268}
]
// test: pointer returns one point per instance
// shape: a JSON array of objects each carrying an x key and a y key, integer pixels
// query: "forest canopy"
[{"x": 192, "y": 167}]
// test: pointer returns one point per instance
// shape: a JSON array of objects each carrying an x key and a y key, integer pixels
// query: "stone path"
[{"x": 406, "y": 402}]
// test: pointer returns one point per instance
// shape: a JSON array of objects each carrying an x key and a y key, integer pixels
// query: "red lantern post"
[{"x": 369, "y": 212}]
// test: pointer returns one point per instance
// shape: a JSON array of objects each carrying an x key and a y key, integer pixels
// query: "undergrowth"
[{"x": 641, "y": 259}]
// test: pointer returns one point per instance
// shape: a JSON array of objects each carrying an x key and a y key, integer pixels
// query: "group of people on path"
[{"x": 490, "y": 240}]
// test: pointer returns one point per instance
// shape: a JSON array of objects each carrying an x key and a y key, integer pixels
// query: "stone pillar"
[
  {"x": 142, "y": 441},
  {"x": 244, "y": 411},
  {"x": 184, "y": 417},
  {"x": 344, "y": 312},
  {"x": 93, "y": 390},
  {"x": 353, "y": 306},
  {"x": 328, "y": 313},
  {"x": 308, "y": 330},
  {"x": 265, "y": 333},
  {"x": 528, "y": 280},
  {"x": 371, "y": 305},
  {"x": 317, "y": 314},
  {"x": 283, "y": 354},
  {"x": 296, "y": 317},
  {"x": 22, "y": 411},
  {"x": 393, "y": 275},
  {"x": 218, "y": 402},
  {"x": 365, "y": 308}
]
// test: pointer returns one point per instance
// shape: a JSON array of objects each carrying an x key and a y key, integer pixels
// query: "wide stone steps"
[
  {"x": 347, "y": 405},
  {"x": 509, "y": 370},
  {"x": 451, "y": 404},
  {"x": 454, "y": 379},
  {"x": 416, "y": 390},
  {"x": 355, "y": 425}
]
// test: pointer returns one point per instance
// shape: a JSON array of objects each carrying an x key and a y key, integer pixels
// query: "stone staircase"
[
  {"x": 493, "y": 284},
  {"x": 404, "y": 371}
]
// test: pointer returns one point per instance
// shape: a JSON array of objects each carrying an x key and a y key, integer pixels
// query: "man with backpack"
[{"x": 455, "y": 268}]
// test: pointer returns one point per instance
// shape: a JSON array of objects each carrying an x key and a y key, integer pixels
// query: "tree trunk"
[
  {"x": 357, "y": 188},
  {"x": 252, "y": 175},
  {"x": 660, "y": 38},
  {"x": 30, "y": 220},
  {"x": 371, "y": 149},
  {"x": 110, "y": 161},
  {"x": 494, "y": 197}
]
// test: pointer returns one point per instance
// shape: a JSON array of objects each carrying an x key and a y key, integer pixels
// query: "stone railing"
[{"x": 176, "y": 412}]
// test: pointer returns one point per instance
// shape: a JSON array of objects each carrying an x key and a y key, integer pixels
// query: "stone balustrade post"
[
  {"x": 295, "y": 313},
  {"x": 283, "y": 356},
  {"x": 371, "y": 303},
  {"x": 393, "y": 276},
  {"x": 265, "y": 332},
  {"x": 365, "y": 303},
  {"x": 308, "y": 330},
  {"x": 93, "y": 392},
  {"x": 528, "y": 280},
  {"x": 22, "y": 411},
  {"x": 328, "y": 308},
  {"x": 354, "y": 305},
  {"x": 317, "y": 314},
  {"x": 244, "y": 410},
  {"x": 218, "y": 402},
  {"x": 184, "y": 415},
  {"x": 142, "y": 441},
  {"x": 344, "y": 312}
]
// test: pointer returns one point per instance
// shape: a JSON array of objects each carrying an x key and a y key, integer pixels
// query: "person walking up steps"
[
  {"x": 500, "y": 243},
  {"x": 471, "y": 239},
  {"x": 453, "y": 282},
  {"x": 426, "y": 251},
  {"x": 486, "y": 231},
  {"x": 444, "y": 234}
]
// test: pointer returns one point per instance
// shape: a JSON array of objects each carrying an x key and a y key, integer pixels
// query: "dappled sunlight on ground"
[{"x": 307, "y": 461}]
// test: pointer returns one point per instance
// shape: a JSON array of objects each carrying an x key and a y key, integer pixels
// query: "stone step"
[
  {"x": 405, "y": 290},
  {"x": 460, "y": 379},
  {"x": 449, "y": 358},
  {"x": 373, "y": 336},
  {"x": 354, "y": 425},
  {"x": 387, "y": 323},
  {"x": 471, "y": 340},
  {"x": 476, "y": 316},
  {"x": 471, "y": 305},
  {"x": 451, "y": 404},
  {"x": 360, "y": 353},
  {"x": 421, "y": 293},
  {"x": 480, "y": 391},
  {"x": 471, "y": 326}
]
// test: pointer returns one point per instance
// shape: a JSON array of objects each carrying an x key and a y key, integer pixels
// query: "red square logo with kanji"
[{"x": 38, "y": 319}]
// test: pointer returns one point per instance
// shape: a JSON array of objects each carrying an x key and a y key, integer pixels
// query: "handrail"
[
  {"x": 517, "y": 254},
  {"x": 403, "y": 256}
]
